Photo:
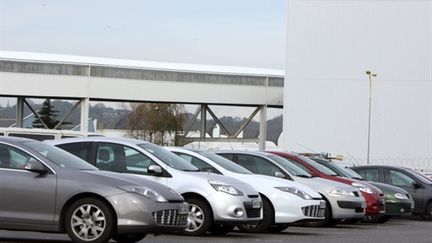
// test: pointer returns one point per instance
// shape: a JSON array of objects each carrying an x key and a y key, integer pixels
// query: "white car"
[
  {"x": 217, "y": 203},
  {"x": 284, "y": 202}
]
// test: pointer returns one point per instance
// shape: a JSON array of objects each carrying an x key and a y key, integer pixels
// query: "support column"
[
  {"x": 20, "y": 112},
  {"x": 85, "y": 109},
  {"x": 263, "y": 127},
  {"x": 203, "y": 121}
]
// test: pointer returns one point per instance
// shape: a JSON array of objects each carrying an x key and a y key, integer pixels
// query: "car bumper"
[
  {"x": 399, "y": 208},
  {"x": 375, "y": 204},
  {"x": 136, "y": 213},
  {"x": 225, "y": 207},
  {"x": 347, "y": 207},
  {"x": 290, "y": 208}
]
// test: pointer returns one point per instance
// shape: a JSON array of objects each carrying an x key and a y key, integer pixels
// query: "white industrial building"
[{"x": 330, "y": 45}]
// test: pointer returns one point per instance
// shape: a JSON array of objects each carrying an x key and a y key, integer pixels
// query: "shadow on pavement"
[{"x": 15, "y": 240}]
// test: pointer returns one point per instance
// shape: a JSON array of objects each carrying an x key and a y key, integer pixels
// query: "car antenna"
[{"x": 307, "y": 148}]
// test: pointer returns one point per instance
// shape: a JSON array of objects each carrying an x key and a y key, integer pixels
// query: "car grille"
[
  {"x": 313, "y": 211},
  {"x": 253, "y": 212},
  {"x": 253, "y": 196},
  {"x": 169, "y": 217}
]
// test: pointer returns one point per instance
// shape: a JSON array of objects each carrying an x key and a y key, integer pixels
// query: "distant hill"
[{"x": 110, "y": 118}]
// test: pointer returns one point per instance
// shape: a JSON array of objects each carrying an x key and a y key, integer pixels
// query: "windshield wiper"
[{"x": 304, "y": 176}]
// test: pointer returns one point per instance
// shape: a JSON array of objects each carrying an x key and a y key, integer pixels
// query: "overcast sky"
[{"x": 219, "y": 32}]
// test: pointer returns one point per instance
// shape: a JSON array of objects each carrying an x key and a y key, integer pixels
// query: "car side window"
[
  {"x": 13, "y": 158},
  {"x": 120, "y": 158},
  {"x": 257, "y": 165},
  {"x": 398, "y": 178},
  {"x": 81, "y": 150},
  {"x": 371, "y": 174},
  {"x": 227, "y": 156},
  {"x": 203, "y": 166}
]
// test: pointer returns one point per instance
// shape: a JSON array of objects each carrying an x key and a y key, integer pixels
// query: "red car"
[{"x": 374, "y": 196}]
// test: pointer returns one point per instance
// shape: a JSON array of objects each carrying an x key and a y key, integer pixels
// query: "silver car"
[
  {"x": 43, "y": 188},
  {"x": 217, "y": 203}
]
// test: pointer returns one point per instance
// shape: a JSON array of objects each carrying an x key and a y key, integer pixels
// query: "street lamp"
[{"x": 370, "y": 75}]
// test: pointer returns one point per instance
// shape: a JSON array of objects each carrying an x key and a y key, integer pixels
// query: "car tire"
[
  {"x": 276, "y": 228},
  {"x": 265, "y": 223},
  {"x": 200, "y": 217},
  {"x": 428, "y": 212},
  {"x": 128, "y": 238},
  {"x": 220, "y": 229},
  {"x": 373, "y": 219},
  {"x": 89, "y": 220},
  {"x": 384, "y": 219}
]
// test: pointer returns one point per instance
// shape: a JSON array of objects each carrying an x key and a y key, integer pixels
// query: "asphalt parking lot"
[{"x": 411, "y": 230}]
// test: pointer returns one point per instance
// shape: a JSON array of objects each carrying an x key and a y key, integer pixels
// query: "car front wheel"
[
  {"x": 428, "y": 212},
  {"x": 89, "y": 220},
  {"x": 199, "y": 219}
]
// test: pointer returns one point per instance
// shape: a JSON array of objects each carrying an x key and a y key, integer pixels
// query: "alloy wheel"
[
  {"x": 195, "y": 218},
  {"x": 88, "y": 222}
]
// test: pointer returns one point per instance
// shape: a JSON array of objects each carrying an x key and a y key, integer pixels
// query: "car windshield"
[
  {"x": 339, "y": 169},
  {"x": 354, "y": 174},
  {"x": 59, "y": 156},
  {"x": 318, "y": 166},
  {"x": 289, "y": 166},
  {"x": 421, "y": 177},
  {"x": 168, "y": 158},
  {"x": 225, "y": 163}
]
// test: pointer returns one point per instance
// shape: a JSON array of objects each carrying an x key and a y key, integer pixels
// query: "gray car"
[
  {"x": 43, "y": 188},
  {"x": 216, "y": 203}
]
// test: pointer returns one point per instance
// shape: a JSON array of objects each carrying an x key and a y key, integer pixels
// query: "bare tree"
[{"x": 155, "y": 122}]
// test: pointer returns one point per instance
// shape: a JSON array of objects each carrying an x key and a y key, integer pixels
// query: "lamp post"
[{"x": 370, "y": 75}]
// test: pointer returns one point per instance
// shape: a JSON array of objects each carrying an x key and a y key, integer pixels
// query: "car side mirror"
[
  {"x": 279, "y": 174},
  {"x": 36, "y": 168},
  {"x": 154, "y": 169},
  {"x": 416, "y": 185}
]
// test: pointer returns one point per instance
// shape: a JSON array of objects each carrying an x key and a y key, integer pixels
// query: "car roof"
[
  {"x": 379, "y": 166},
  {"x": 129, "y": 141},
  {"x": 255, "y": 152},
  {"x": 14, "y": 140}
]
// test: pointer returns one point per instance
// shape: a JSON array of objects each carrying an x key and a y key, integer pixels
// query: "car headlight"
[
  {"x": 342, "y": 192},
  {"x": 144, "y": 191},
  {"x": 296, "y": 192},
  {"x": 222, "y": 187},
  {"x": 401, "y": 196},
  {"x": 362, "y": 187}
]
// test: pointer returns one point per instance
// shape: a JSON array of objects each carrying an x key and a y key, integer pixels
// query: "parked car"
[
  {"x": 284, "y": 202},
  {"x": 43, "y": 188},
  {"x": 216, "y": 202},
  {"x": 342, "y": 201},
  {"x": 375, "y": 202},
  {"x": 398, "y": 201},
  {"x": 416, "y": 184}
]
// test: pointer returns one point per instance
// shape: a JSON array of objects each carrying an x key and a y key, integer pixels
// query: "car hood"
[
  {"x": 119, "y": 179},
  {"x": 386, "y": 188},
  {"x": 262, "y": 182},
  {"x": 207, "y": 176},
  {"x": 322, "y": 185}
]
